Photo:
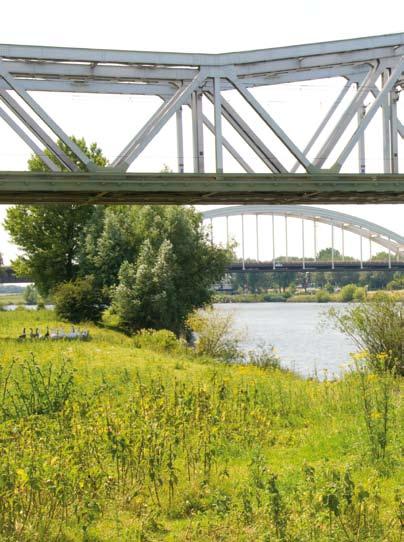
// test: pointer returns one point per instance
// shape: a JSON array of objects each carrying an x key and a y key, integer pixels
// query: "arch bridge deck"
[{"x": 299, "y": 266}]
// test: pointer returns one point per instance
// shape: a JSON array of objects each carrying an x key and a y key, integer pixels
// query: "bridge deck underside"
[
  {"x": 111, "y": 187},
  {"x": 256, "y": 267}
]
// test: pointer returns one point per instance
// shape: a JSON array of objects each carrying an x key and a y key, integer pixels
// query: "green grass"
[
  {"x": 11, "y": 299},
  {"x": 125, "y": 444}
]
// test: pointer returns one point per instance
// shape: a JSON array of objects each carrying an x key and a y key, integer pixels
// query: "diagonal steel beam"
[
  {"x": 252, "y": 140},
  {"x": 271, "y": 123},
  {"x": 229, "y": 147},
  {"x": 34, "y": 127},
  {"x": 356, "y": 103},
  {"x": 388, "y": 86},
  {"x": 154, "y": 125},
  {"x": 156, "y": 115},
  {"x": 400, "y": 126},
  {"x": 38, "y": 110},
  {"x": 324, "y": 122},
  {"x": 30, "y": 142}
]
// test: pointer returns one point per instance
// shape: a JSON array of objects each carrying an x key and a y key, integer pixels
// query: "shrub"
[
  {"x": 347, "y": 292},
  {"x": 215, "y": 335},
  {"x": 161, "y": 340},
  {"x": 78, "y": 301},
  {"x": 360, "y": 294},
  {"x": 322, "y": 296},
  {"x": 264, "y": 357},
  {"x": 377, "y": 327},
  {"x": 30, "y": 295}
]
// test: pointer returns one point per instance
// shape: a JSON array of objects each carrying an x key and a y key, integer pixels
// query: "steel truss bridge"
[
  {"x": 371, "y": 70},
  {"x": 339, "y": 224}
]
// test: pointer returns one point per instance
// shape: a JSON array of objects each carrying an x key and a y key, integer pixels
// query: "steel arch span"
[
  {"x": 380, "y": 235},
  {"x": 368, "y": 74}
]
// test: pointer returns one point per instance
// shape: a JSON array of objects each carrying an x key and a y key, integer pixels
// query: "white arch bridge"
[{"x": 275, "y": 236}]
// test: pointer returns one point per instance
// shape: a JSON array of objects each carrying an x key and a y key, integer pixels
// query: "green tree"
[
  {"x": 50, "y": 235},
  {"x": 30, "y": 295},
  {"x": 325, "y": 254},
  {"x": 195, "y": 263},
  {"x": 145, "y": 297},
  {"x": 78, "y": 301}
]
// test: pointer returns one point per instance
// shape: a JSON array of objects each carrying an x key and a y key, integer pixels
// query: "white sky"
[{"x": 179, "y": 25}]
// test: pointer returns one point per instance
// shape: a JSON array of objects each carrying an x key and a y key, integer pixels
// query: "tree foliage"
[
  {"x": 50, "y": 235},
  {"x": 78, "y": 301},
  {"x": 158, "y": 261}
]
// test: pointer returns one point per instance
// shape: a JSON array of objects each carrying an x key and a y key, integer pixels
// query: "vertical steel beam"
[
  {"x": 361, "y": 142},
  {"x": 227, "y": 231},
  {"x": 257, "y": 237},
  {"x": 386, "y": 126},
  {"x": 218, "y": 125},
  {"x": 347, "y": 116},
  {"x": 361, "y": 249},
  {"x": 394, "y": 130},
  {"x": 197, "y": 132},
  {"x": 236, "y": 155},
  {"x": 332, "y": 246},
  {"x": 249, "y": 136},
  {"x": 180, "y": 141},
  {"x": 388, "y": 86},
  {"x": 303, "y": 255},
  {"x": 286, "y": 237}
]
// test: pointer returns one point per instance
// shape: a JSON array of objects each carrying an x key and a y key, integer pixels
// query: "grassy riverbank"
[
  {"x": 121, "y": 443},
  {"x": 11, "y": 299}
]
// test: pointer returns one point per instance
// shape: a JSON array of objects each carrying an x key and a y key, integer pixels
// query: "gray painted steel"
[{"x": 371, "y": 67}]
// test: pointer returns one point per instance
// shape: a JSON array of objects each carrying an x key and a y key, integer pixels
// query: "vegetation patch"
[{"x": 126, "y": 438}]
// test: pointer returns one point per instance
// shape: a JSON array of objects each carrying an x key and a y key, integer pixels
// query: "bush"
[
  {"x": 347, "y": 292},
  {"x": 264, "y": 357},
  {"x": 360, "y": 294},
  {"x": 376, "y": 327},
  {"x": 215, "y": 335},
  {"x": 161, "y": 340},
  {"x": 322, "y": 296},
  {"x": 30, "y": 295},
  {"x": 78, "y": 301}
]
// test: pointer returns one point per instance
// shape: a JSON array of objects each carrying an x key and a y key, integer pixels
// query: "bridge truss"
[
  {"x": 389, "y": 241},
  {"x": 371, "y": 70}
]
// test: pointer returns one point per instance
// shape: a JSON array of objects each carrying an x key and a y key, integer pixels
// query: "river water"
[{"x": 301, "y": 333}]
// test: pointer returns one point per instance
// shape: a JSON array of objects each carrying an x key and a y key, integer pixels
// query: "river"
[{"x": 296, "y": 331}]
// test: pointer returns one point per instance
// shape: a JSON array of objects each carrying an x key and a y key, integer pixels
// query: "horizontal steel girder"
[
  {"x": 108, "y": 186},
  {"x": 268, "y": 267}
]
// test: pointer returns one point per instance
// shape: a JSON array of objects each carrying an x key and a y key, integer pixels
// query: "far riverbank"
[{"x": 320, "y": 296}]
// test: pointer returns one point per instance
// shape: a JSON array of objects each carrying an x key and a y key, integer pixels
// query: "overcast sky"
[{"x": 179, "y": 25}]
